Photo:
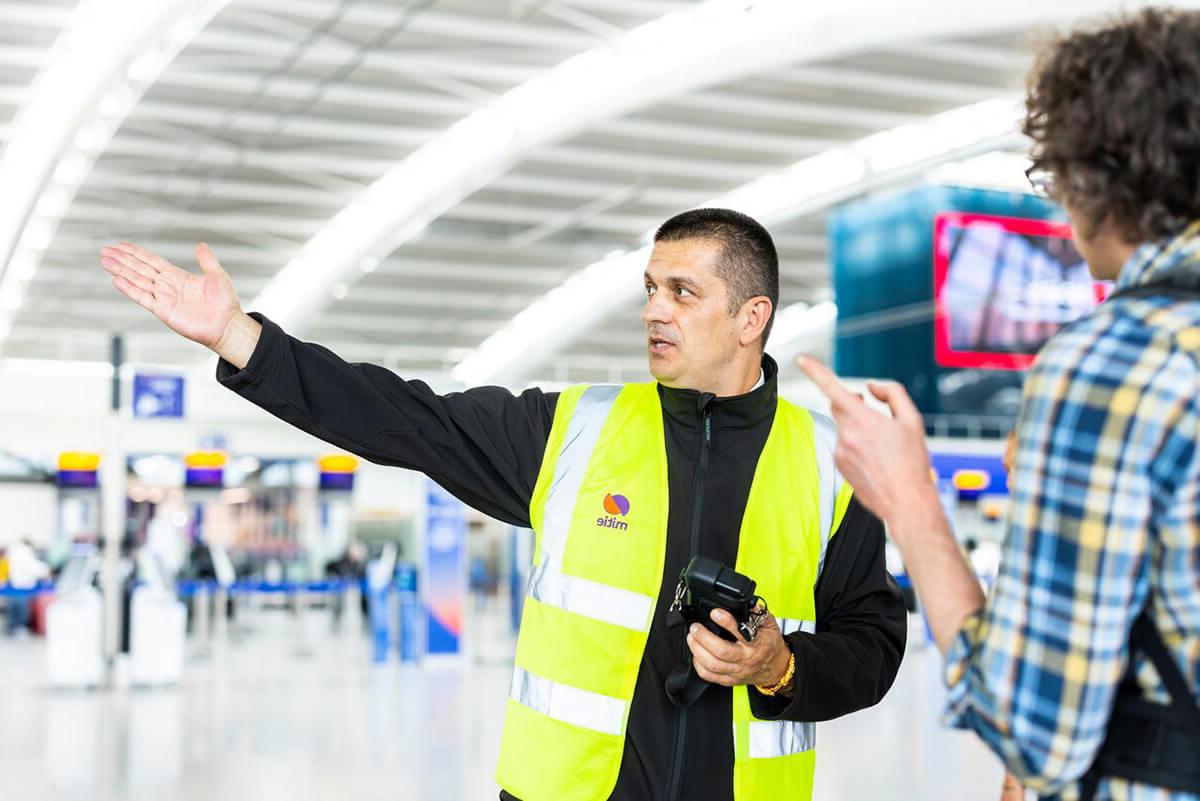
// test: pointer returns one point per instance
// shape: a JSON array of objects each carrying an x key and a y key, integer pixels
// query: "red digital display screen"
[{"x": 1003, "y": 286}]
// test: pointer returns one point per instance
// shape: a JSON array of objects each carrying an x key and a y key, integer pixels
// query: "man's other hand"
[{"x": 762, "y": 661}]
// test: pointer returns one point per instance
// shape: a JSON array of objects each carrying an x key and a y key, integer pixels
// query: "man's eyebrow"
[{"x": 674, "y": 279}]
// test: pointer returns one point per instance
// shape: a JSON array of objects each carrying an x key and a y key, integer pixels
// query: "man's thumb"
[{"x": 208, "y": 260}]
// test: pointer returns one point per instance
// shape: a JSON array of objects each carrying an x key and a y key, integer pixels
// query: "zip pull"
[{"x": 708, "y": 428}]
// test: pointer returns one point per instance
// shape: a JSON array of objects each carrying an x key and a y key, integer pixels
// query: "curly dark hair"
[{"x": 1114, "y": 115}]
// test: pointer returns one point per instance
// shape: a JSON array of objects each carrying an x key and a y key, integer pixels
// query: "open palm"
[{"x": 198, "y": 307}]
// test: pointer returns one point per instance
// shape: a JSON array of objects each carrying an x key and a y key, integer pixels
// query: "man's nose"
[{"x": 655, "y": 311}]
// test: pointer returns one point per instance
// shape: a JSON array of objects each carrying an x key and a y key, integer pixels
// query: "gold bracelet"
[{"x": 785, "y": 681}]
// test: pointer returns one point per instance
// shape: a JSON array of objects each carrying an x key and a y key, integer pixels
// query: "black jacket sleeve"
[
  {"x": 852, "y": 659},
  {"x": 484, "y": 445}
]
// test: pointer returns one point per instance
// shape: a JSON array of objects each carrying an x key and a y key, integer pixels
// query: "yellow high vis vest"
[{"x": 599, "y": 511}]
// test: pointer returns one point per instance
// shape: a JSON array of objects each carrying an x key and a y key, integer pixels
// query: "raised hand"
[
  {"x": 883, "y": 458},
  {"x": 201, "y": 307}
]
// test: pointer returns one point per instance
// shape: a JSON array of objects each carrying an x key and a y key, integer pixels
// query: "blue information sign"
[{"x": 157, "y": 396}]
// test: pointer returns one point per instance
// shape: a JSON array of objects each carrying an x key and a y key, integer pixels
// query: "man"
[
  {"x": 624, "y": 485},
  {"x": 1081, "y": 671}
]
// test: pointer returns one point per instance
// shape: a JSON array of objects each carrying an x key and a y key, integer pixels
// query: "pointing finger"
[
  {"x": 897, "y": 399},
  {"x": 826, "y": 381}
]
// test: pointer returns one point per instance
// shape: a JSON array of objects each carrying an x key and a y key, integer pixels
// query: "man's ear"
[{"x": 754, "y": 316}]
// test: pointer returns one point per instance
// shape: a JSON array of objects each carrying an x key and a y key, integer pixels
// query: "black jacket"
[{"x": 485, "y": 446}]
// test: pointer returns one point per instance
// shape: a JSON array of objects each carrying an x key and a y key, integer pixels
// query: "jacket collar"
[
  {"x": 1169, "y": 259},
  {"x": 686, "y": 406}
]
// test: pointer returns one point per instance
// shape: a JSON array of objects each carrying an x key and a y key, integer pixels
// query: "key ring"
[{"x": 756, "y": 619}]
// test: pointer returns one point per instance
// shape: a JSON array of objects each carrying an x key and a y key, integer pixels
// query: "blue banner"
[{"x": 445, "y": 584}]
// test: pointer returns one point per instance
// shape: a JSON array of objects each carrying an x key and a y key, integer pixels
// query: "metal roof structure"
[{"x": 266, "y": 126}]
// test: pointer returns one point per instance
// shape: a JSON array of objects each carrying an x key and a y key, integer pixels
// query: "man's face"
[{"x": 690, "y": 333}]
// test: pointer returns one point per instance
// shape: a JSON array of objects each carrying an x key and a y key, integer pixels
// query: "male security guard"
[{"x": 623, "y": 485}]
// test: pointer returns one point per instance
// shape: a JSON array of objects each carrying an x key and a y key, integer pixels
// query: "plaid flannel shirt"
[{"x": 1105, "y": 514}]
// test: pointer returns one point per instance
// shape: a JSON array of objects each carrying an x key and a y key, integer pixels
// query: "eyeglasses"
[{"x": 1042, "y": 181}]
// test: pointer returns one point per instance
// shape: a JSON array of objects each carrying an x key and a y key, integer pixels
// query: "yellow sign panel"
[
  {"x": 337, "y": 463},
  {"x": 972, "y": 480},
  {"x": 78, "y": 460},
  {"x": 205, "y": 460}
]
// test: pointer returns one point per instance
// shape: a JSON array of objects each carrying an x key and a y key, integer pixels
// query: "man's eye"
[
  {"x": 681, "y": 290},
  {"x": 649, "y": 290}
]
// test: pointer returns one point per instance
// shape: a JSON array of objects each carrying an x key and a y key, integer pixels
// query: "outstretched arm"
[{"x": 485, "y": 445}]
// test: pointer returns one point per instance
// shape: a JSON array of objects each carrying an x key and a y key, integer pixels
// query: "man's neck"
[{"x": 740, "y": 382}]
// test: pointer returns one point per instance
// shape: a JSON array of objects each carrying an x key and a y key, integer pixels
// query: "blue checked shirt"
[{"x": 1105, "y": 514}]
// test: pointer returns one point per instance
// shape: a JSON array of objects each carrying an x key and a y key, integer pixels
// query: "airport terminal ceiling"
[{"x": 276, "y": 115}]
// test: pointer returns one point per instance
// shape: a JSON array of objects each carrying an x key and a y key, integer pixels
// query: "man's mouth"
[{"x": 658, "y": 345}]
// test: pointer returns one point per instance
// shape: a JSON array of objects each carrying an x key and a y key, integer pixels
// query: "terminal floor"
[{"x": 266, "y": 716}]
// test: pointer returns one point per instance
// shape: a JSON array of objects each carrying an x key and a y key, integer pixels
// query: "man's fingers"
[
  {"x": 897, "y": 399},
  {"x": 118, "y": 270},
  {"x": 138, "y": 296},
  {"x": 128, "y": 264},
  {"x": 712, "y": 661},
  {"x": 718, "y": 647},
  {"x": 714, "y": 670},
  {"x": 151, "y": 260},
  {"x": 727, "y": 622},
  {"x": 825, "y": 380},
  {"x": 713, "y": 678}
]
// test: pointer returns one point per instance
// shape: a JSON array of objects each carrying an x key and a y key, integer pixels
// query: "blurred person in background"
[
  {"x": 351, "y": 566},
  {"x": 1081, "y": 670},
  {"x": 25, "y": 570}
]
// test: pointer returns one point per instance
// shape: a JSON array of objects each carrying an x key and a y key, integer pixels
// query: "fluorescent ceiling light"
[
  {"x": 78, "y": 101},
  {"x": 707, "y": 44},
  {"x": 1000, "y": 170},
  {"x": 555, "y": 320},
  {"x": 56, "y": 368}
]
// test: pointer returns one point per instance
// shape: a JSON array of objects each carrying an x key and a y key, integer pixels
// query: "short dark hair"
[
  {"x": 749, "y": 264},
  {"x": 1114, "y": 116}
]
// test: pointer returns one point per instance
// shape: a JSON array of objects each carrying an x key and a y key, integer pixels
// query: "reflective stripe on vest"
[
  {"x": 790, "y": 626},
  {"x": 569, "y": 704},
  {"x": 775, "y": 738},
  {"x": 547, "y": 583},
  {"x": 780, "y": 738},
  {"x": 592, "y": 599},
  {"x": 825, "y": 440}
]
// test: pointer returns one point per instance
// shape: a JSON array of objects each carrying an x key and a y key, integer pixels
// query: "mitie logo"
[{"x": 617, "y": 507}]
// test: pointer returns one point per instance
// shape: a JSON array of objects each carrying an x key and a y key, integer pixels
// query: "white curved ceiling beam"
[
  {"x": 98, "y": 68},
  {"x": 559, "y": 317},
  {"x": 711, "y": 43}
]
